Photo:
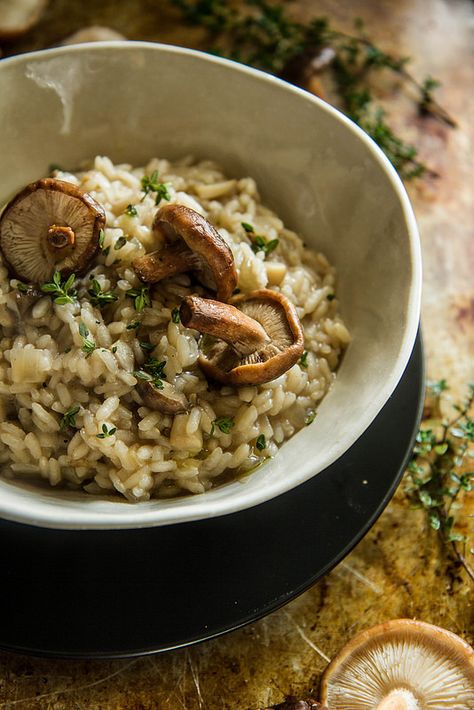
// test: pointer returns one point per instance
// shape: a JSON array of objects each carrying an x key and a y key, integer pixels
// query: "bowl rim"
[{"x": 52, "y": 515}]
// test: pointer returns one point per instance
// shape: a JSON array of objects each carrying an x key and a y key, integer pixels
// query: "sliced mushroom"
[
  {"x": 401, "y": 665},
  {"x": 18, "y": 16},
  {"x": 166, "y": 399},
  {"x": 258, "y": 338},
  {"x": 93, "y": 33},
  {"x": 191, "y": 244},
  {"x": 50, "y": 225}
]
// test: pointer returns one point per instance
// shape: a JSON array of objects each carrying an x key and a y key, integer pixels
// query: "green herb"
[
  {"x": 151, "y": 184},
  {"x": 121, "y": 241},
  {"x": 152, "y": 371},
  {"x": 101, "y": 238},
  {"x": 131, "y": 211},
  {"x": 331, "y": 296},
  {"x": 303, "y": 361},
  {"x": 155, "y": 367},
  {"x": 155, "y": 381},
  {"x": 310, "y": 418},
  {"x": 141, "y": 296},
  {"x": 61, "y": 292},
  {"x": 147, "y": 347},
  {"x": 106, "y": 251},
  {"x": 134, "y": 325},
  {"x": 67, "y": 350},
  {"x": 259, "y": 243},
  {"x": 114, "y": 349},
  {"x": 99, "y": 297},
  {"x": 261, "y": 443},
  {"x": 264, "y": 35},
  {"x": 106, "y": 432},
  {"x": 54, "y": 166},
  {"x": 69, "y": 418},
  {"x": 225, "y": 424},
  {"x": 88, "y": 346},
  {"x": 248, "y": 227},
  {"x": 23, "y": 288},
  {"x": 175, "y": 317},
  {"x": 438, "y": 473}
]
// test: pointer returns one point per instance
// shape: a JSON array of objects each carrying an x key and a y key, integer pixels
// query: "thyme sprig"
[
  {"x": 439, "y": 472},
  {"x": 267, "y": 37},
  {"x": 61, "y": 291},
  {"x": 150, "y": 183},
  {"x": 98, "y": 297}
]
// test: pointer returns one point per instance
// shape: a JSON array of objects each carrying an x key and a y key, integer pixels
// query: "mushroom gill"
[
  {"x": 401, "y": 665},
  {"x": 258, "y": 336},
  {"x": 50, "y": 226}
]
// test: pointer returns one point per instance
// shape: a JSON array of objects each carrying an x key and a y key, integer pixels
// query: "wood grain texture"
[{"x": 399, "y": 569}]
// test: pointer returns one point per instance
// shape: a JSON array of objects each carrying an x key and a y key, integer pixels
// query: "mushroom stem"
[
  {"x": 60, "y": 237},
  {"x": 399, "y": 700},
  {"x": 223, "y": 321},
  {"x": 175, "y": 259}
]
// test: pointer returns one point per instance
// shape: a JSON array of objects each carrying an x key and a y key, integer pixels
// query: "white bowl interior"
[{"x": 325, "y": 178}]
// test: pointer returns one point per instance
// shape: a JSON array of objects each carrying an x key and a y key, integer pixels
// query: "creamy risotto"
[{"x": 103, "y": 387}]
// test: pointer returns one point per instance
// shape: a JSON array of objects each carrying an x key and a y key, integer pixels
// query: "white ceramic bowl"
[{"x": 314, "y": 167}]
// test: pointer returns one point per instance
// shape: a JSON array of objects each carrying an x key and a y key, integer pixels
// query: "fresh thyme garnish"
[
  {"x": 303, "y": 361},
  {"x": 23, "y": 288},
  {"x": 261, "y": 443},
  {"x": 147, "y": 347},
  {"x": 152, "y": 371},
  {"x": 106, "y": 432},
  {"x": 134, "y": 325},
  {"x": 225, "y": 424},
  {"x": 99, "y": 297},
  {"x": 61, "y": 292},
  {"x": 155, "y": 367},
  {"x": 439, "y": 473},
  {"x": 331, "y": 296},
  {"x": 141, "y": 296},
  {"x": 69, "y": 418},
  {"x": 121, "y": 241},
  {"x": 175, "y": 315},
  {"x": 267, "y": 37},
  {"x": 131, "y": 211},
  {"x": 259, "y": 243},
  {"x": 248, "y": 227},
  {"x": 101, "y": 238},
  {"x": 310, "y": 418},
  {"x": 152, "y": 184},
  {"x": 88, "y": 346}
]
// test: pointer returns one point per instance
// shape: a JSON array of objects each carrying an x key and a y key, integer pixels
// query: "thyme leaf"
[
  {"x": 69, "y": 417},
  {"x": 141, "y": 297},
  {"x": 106, "y": 432},
  {"x": 61, "y": 291},
  {"x": 438, "y": 473},
  {"x": 98, "y": 297}
]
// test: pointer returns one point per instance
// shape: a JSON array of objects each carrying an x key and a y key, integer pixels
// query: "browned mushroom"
[
  {"x": 191, "y": 244},
  {"x": 166, "y": 398},
  {"x": 49, "y": 226},
  {"x": 257, "y": 339},
  {"x": 18, "y": 16},
  {"x": 401, "y": 665}
]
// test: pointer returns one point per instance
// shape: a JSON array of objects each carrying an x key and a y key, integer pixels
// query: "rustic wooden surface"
[{"x": 399, "y": 569}]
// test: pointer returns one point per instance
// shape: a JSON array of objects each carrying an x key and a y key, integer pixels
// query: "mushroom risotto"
[{"x": 160, "y": 329}]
